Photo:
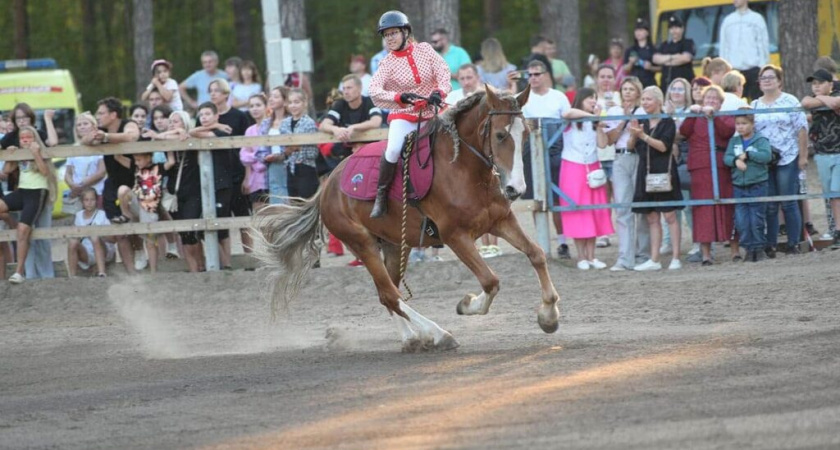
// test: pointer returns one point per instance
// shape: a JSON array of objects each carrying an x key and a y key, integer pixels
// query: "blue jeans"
[
  {"x": 784, "y": 180},
  {"x": 278, "y": 183},
  {"x": 749, "y": 217}
]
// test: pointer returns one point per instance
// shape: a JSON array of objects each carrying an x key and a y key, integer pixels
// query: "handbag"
[
  {"x": 595, "y": 178},
  {"x": 658, "y": 182},
  {"x": 169, "y": 202}
]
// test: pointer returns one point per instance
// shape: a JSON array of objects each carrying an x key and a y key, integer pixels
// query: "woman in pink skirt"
[{"x": 581, "y": 141}]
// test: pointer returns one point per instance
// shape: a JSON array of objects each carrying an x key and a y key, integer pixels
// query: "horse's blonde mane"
[{"x": 448, "y": 119}]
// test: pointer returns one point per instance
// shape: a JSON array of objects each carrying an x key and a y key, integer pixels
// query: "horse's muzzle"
[{"x": 511, "y": 193}]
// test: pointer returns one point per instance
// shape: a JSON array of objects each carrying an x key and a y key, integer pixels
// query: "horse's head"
[{"x": 504, "y": 137}]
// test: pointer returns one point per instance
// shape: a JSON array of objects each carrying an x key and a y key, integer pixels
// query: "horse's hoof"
[
  {"x": 463, "y": 307},
  {"x": 446, "y": 343},
  {"x": 549, "y": 322}
]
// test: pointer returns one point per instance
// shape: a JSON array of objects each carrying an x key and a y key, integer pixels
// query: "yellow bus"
[{"x": 704, "y": 17}]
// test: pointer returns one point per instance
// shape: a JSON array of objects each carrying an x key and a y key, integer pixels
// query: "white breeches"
[{"x": 398, "y": 129}]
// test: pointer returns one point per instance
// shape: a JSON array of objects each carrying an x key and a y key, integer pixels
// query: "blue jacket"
[{"x": 758, "y": 156}]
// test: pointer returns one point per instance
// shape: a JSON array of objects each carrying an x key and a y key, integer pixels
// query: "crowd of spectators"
[{"x": 593, "y": 162}]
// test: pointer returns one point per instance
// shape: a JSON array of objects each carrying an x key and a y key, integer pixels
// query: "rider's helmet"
[{"x": 394, "y": 19}]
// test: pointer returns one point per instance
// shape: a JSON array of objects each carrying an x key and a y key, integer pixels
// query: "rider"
[{"x": 411, "y": 73}]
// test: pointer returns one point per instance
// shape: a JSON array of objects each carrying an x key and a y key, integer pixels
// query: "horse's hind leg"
[{"x": 510, "y": 230}]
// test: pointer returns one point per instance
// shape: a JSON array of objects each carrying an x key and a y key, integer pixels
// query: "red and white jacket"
[{"x": 418, "y": 69}]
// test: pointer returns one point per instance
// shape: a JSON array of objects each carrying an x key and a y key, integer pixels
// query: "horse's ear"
[
  {"x": 522, "y": 97},
  {"x": 492, "y": 98}
]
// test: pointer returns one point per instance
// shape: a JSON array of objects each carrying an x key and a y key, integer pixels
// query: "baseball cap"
[{"x": 821, "y": 75}]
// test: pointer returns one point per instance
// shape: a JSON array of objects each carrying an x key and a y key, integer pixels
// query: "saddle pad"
[{"x": 360, "y": 175}]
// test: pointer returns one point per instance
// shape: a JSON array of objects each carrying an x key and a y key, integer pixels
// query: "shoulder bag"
[{"x": 658, "y": 182}]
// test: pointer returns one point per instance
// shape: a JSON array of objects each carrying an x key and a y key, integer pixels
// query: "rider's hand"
[
  {"x": 436, "y": 98},
  {"x": 420, "y": 105},
  {"x": 408, "y": 98}
]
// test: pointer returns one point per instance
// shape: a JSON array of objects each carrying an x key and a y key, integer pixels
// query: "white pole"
[
  {"x": 208, "y": 207},
  {"x": 273, "y": 35},
  {"x": 541, "y": 213}
]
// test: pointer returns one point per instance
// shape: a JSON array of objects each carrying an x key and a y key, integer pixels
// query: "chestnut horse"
[{"x": 465, "y": 201}]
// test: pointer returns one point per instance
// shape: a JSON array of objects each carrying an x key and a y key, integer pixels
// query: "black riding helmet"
[{"x": 393, "y": 19}]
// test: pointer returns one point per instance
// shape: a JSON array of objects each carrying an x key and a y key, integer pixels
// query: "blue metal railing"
[{"x": 554, "y": 190}]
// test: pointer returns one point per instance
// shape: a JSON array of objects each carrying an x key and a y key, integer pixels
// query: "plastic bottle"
[{"x": 803, "y": 186}]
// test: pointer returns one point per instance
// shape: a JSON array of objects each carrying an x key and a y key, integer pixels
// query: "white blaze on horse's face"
[{"x": 516, "y": 183}]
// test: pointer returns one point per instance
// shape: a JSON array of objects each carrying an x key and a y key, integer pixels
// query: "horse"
[{"x": 465, "y": 200}]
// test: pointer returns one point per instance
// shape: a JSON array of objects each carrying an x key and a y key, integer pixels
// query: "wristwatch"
[{"x": 106, "y": 139}]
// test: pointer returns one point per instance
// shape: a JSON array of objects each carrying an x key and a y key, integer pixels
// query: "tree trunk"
[
  {"x": 89, "y": 40},
  {"x": 443, "y": 14},
  {"x": 617, "y": 18},
  {"x": 21, "y": 38},
  {"x": 242, "y": 24},
  {"x": 560, "y": 21},
  {"x": 414, "y": 10},
  {"x": 492, "y": 17},
  {"x": 797, "y": 43},
  {"x": 293, "y": 18},
  {"x": 144, "y": 42}
]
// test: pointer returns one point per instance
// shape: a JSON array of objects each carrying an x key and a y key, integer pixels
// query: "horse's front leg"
[
  {"x": 464, "y": 246},
  {"x": 510, "y": 230}
]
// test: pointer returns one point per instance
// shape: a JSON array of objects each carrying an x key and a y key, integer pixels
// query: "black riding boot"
[{"x": 386, "y": 176}]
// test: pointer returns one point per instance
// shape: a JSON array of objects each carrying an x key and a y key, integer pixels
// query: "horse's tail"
[{"x": 287, "y": 239}]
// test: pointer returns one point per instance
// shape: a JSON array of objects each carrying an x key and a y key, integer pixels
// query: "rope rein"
[{"x": 410, "y": 141}]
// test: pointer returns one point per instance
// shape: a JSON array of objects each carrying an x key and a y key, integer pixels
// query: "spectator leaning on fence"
[
  {"x": 160, "y": 124},
  {"x": 745, "y": 43},
  {"x": 678, "y": 100},
  {"x": 90, "y": 251},
  {"x": 208, "y": 116},
  {"x": 164, "y": 85},
  {"x": 83, "y": 172},
  {"x": 352, "y": 113},
  {"x": 712, "y": 223},
  {"x": 302, "y": 175},
  {"x": 36, "y": 191},
  {"x": 825, "y": 135},
  {"x": 200, "y": 79},
  {"x": 748, "y": 154},
  {"x": 187, "y": 189},
  {"x": 632, "y": 229},
  {"x": 580, "y": 159},
  {"x": 114, "y": 129},
  {"x": 788, "y": 135},
  {"x": 828, "y": 64},
  {"x": 253, "y": 158},
  {"x": 653, "y": 140}
]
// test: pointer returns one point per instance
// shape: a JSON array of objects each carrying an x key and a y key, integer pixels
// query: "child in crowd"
[
  {"x": 141, "y": 203},
  {"x": 164, "y": 86},
  {"x": 303, "y": 177},
  {"x": 253, "y": 158},
  {"x": 86, "y": 252},
  {"x": 749, "y": 153}
]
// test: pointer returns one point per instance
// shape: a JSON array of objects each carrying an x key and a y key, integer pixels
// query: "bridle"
[{"x": 487, "y": 130}]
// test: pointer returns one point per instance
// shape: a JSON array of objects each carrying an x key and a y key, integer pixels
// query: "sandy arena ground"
[{"x": 735, "y": 355}]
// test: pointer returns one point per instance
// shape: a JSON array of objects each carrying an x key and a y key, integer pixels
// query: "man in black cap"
[
  {"x": 638, "y": 59},
  {"x": 675, "y": 55},
  {"x": 825, "y": 135}
]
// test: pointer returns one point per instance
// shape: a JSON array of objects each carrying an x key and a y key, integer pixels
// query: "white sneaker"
[
  {"x": 618, "y": 268},
  {"x": 16, "y": 278},
  {"x": 694, "y": 249},
  {"x": 597, "y": 264},
  {"x": 675, "y": 265},
  {"x": 583, "y": 264},
  {"x": 602, "y": 242},
  {"x": 648, "y": 265},
  {"x": 172, "y": 251},
  {"x": 140, "y": 260}
]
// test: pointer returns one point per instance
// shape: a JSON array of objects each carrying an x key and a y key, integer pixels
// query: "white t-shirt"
[
  {"x": 732, "y": 102},
  {"x": 176, "y": 104},
  {"x": 242, "y": 92},
  {"x": 97, "y": 219},
  {"x": 85, "y": 166},
  {"x": 552, "y": 104},
  {"x": 621, "y": 143}
]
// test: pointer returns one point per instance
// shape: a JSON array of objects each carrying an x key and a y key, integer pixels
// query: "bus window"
[{"x": 703, "y": 26}]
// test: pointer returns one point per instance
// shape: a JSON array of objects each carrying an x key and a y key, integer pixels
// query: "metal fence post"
[
  {"x": 208, "y": 207},
  {"x": 713, "y": 156},
  {"x": 538, "y": 171}
]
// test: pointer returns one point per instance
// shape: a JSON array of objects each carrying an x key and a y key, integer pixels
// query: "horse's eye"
[{"x": 500, "y": 135}]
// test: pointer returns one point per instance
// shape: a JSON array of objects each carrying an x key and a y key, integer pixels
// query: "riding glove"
[{"x": 408, "y": 98}]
